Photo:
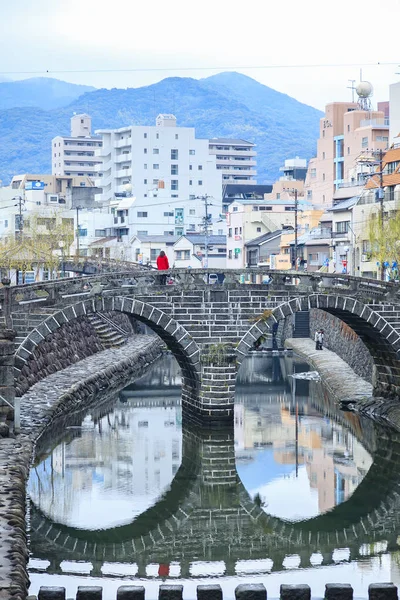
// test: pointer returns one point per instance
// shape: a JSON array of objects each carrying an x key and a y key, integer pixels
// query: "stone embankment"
[
  {"x": 65, "y": 391},
  {"x": 340, "y": 379}
]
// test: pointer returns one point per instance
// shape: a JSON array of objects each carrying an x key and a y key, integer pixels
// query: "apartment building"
[
  {"x": 164, "y": 173},
  {"x": 249, "y": 219},
  {"x": 75, "y": 155},
  {"x": 394, "y": 103},
  {"x": 347, "y": 134},
  {"x": 236, "y": 159},
  {"x": 232, "y": 192}
]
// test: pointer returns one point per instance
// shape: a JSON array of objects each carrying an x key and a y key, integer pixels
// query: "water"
[{"x": 300, "y": 492}]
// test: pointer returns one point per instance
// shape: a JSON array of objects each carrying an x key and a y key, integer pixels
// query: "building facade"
[
  {"x": 236, "y": 159},
  {"x": 167, "y": 172},
  {"x": 75, "y": 155}
]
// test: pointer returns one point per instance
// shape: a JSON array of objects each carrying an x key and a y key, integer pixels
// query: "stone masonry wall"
[
  {"x": 340, "y": 338},
  {"x": 67, "y": 345}
]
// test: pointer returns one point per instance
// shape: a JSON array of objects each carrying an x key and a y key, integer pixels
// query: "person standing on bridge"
[
  {"x": 162, "y": 265},
  {"x": 319, "y": 339}
]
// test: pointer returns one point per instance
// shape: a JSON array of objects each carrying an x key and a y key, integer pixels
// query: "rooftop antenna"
[
  {"x": 352, "y": 87},
  {"x": 364, "y": 92}
]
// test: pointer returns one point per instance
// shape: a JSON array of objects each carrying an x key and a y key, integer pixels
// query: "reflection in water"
[{"x": 128, "y": 491}]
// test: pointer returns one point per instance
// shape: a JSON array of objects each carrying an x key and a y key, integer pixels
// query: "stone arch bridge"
[{"x": 209, "y": 328}]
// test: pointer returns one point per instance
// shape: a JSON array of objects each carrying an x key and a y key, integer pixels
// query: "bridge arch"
[
  {"x": 381, "y": 339},
  {"x": 175, "y": 336}
]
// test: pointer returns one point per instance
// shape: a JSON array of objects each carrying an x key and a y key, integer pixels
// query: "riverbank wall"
[{"x": 67, "y": 390}]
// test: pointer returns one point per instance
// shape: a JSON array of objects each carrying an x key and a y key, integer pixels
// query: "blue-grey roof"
[
  {"x": 162, "y": 239},
  {"x": 261, "y": 239},
  {"x": 200, "y": 239},
  {"x": 348, "y": 203}
]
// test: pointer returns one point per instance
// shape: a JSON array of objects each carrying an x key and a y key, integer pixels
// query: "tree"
[{"x": 384, "y": 237}]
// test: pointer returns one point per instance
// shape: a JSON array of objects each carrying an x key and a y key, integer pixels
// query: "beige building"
[
  {"x": 53, "y": 184},
  {"x": 236, "y": 159},
  {"x": 249, "y": 219},
  {"x": 347, "y": 133},
  {"x": 75, "y": 155}
]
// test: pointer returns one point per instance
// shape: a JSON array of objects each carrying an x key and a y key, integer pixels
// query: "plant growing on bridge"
[
  {"x": 384, "y": 237},
  {"x": 265, "y": 315}
]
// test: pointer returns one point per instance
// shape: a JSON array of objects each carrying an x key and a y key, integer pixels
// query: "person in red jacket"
[{"x": 162, "y": 265}]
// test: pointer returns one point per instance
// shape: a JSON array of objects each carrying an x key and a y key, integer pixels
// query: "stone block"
[
  {"x": 209, "y": 592},
  {"x": 382, "y": 591},
  {"x": 131, "y": 592},
  {"x": 51, "y": 593},
  {"x": 170, "y": 592},
  {"x": 295, "y": 592},
  {"x": 251, "y": 591},
  {"x": 338, "y": 591},
  {"x": 88, "y": 592}
]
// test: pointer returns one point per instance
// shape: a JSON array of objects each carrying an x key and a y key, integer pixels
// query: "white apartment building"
[
  {"x": 75, "y": 155},
  {"x": 166, "y": 172},
  {"x": 236, "y": 159}
]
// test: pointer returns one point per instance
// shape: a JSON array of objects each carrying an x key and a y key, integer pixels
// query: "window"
[
  {"x": 168, "y": 233},
  {"x": 313, "y": 173},
  {"x": 190, "y": 181},
  {"x": 6, "y": 223},
  {"x": 192, "y": 152},
  {"x": 278, "y": 196},
  {"x": 348, "y": 128},
  {"x": 391, "y": 167},
  {"x": 235, "y": 209},
  {"x": 142, "y": 232},
  {"x": 145, "y": 166},
  {"x": 168, "y": 214},
  {"x": 348, "y": 149},
  {"x": 200, "y": 167},
  {"x": 200, "y": 182},
  {"x": 192, "y": 197},
  {"x": 82, "y": 232},
  {"x": 390, "y": 193},
  {"x": 145, "y": 181},
  {"x": 142, "y": 214},
  {"x": 174, "y": 154},
  {"x": 99, "y": 233},
  {"x": 190, "y": 167},
  {"x": 174, "y": 184},
  {"x": 155, "y": 181},
  {"x": 174, "y": 169},
  {"x": 323, "y": 176},
  {"x": 192, "y": 211},
  {"x": 157, "y": 136},
  {"x": 156, "y": 151},
  {"x": 366, "y": 246},
  {"x": 145, "y": 135},
  {"x": 176, "y": 136},
  {"x": 265, "y": 208},
  {"x": 154, "y": 252},
  {"x": 309, "y": 194},
  {"x": 156, "y": 166},
  {"x": 145, "y": 150},
  {"x": 323, "y": 155},
  {"x": 258, "y": 229},
  {"x": 220, "y": 232},
  {"x": 342, "y": 226},
  {"x": 230, "y": 254},
  {"x": 236, "y": 230},
  {"x": 364, "y": 142},
  {"x": 174, "y": 196}
]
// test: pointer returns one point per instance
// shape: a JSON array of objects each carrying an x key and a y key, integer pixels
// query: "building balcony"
[
  {"x": 123, "y": 173},
  {"x": 102, "y": 152},
  {"x": 123, "y": 143},
  {"x": 233, "y": 153},
  {"x": 238, "y": 173},
  {"x": 123, "y": 158},
  {"x": 375, "y": 123}
]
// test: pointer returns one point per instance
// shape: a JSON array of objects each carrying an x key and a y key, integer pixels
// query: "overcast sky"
[{"x": 162, "y": 38}]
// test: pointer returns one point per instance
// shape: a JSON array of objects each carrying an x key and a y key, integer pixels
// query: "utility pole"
[
  {"x": 77, "y": 230},
  {"x": 295, "y": 229},
  {"x": 381, "y": 196},
  {"x": 21, "y": 201},
  {"x": 206, "y": 223}
]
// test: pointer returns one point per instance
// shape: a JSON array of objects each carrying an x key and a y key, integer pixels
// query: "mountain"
[
  {"x": 41, "y": 92},
  {"x": 225, "y": 105}
]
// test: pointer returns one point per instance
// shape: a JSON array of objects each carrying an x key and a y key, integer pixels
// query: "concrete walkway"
[{"x": 335, "y": 373}]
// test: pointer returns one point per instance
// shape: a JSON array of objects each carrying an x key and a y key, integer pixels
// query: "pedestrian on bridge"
[
  {"x": 162, "y": 265},
  {"x": 319, "y": 339}
]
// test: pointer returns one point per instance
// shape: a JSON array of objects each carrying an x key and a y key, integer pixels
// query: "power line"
[{"x": 209, "y": 68}]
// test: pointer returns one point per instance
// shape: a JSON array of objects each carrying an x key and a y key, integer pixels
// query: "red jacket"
[{"x": 162, "y": 263}]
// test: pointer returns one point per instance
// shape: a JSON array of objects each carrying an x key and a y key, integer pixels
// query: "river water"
[{"x": 299, "y": 492}]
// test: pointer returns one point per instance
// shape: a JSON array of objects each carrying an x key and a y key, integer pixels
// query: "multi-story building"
[
  {"x": 75, "y": 155},
  {"x": 347, "y": 133},
  {"x": 294, "y": 169},
  {"x": 232, "y": 192},
  {"x": 236, "y": 159},
  {"x": 394, "y": 103},
  {"x": 52, "y": 184},
  {"x": 167, "y": 172},
  {"x": 249, "y": 219}
]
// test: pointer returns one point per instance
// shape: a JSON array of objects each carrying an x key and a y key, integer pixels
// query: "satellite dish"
[
  {"x": 364, "y": 89},
  {"x": 128, "y": 187}
]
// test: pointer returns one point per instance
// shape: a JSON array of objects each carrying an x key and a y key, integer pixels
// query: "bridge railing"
[{"x": 50, "y": 293}]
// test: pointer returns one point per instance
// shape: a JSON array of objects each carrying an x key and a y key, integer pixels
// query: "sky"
[{"x": 137, "y": 43}]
